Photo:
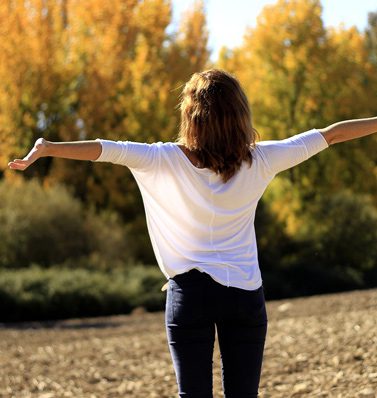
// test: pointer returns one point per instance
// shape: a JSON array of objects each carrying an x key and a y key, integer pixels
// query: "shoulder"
[
  {"x": 156, "y": 147},
  {"x": 162, "y": 149},
  {"x": 159, "y": 145},
  {"x": 158, "y": 151}
]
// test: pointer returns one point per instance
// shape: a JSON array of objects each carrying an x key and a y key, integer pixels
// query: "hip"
[{"x": 194, "y": 296}]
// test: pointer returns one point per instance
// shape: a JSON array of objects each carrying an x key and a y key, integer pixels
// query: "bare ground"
[{"x": 321, "y": 346}]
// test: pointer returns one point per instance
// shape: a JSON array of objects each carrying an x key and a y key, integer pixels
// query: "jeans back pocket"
[
  {"x": 187, "y": 300},
  {"x": 251, "y": 306}
]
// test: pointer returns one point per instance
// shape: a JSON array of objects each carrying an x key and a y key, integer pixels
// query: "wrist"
[{"x": 47, "y": 148}]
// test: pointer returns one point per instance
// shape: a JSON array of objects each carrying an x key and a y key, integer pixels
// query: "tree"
[
  {"x": 33, "y": 80},
  {"x": 299, "y": 75},
  {"x": 106, "y": 69},
  {"x": 277, "y": 63},
  {"x": 70, "y": 72}
]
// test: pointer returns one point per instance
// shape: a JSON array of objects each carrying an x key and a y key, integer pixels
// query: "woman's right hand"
[{"x": 39, "y": 150}]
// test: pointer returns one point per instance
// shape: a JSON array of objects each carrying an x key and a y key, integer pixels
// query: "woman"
[{"x": 200, "y": 194}]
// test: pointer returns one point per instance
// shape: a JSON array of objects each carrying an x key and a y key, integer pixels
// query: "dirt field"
[{"x": 323, "y": 346}]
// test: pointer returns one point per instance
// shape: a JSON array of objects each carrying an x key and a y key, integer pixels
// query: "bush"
[
  {"x": 332, "y": 248},
  {"x": 342, "y": 229},
  {"x": 49, "y": 226},
  {"x": 57, "y": 293},
  {"x": 271, "y": 237},
  {"x": 145, "y": 282}
]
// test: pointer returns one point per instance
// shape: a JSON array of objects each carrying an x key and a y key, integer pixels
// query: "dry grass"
[{"x": 323, "y": 346}]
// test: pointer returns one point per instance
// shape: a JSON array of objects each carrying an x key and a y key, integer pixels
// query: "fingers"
[
  {"x": 18, "y": 164},
  {"x": 31, "y": 157}
]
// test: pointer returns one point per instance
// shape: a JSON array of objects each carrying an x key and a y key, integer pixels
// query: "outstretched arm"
[
  {"x": 349, "y": 130},
  {"x": 78, "y": 150}
]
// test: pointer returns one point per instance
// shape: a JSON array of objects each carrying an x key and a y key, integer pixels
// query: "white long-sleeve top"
[{"x": 195, "y": 220}]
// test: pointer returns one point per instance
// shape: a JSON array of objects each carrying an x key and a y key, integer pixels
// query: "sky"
[{"x": 227, "y": 19}]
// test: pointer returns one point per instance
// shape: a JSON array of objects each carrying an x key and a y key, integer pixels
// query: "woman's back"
[{"x": 195, "y": 220}]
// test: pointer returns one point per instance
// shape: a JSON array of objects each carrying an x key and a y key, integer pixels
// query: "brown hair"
[{"x": 216, "y": 122}]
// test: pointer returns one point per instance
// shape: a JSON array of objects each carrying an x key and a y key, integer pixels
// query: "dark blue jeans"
[{"x": 196, "y": 306}]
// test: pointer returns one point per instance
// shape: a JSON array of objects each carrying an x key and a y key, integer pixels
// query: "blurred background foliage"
[{"x": 113, "y": 70}]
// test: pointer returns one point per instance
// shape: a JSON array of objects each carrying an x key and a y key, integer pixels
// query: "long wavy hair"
[{"x": 216, "y": 122}]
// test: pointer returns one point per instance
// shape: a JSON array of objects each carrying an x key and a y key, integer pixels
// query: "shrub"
[
  {"x": 56, "y": 293},
  {"x": 146, "y": 284},
  {"x": 49, "y": 226},
  {"x": 333, "y": 247},
  {"x": 344, "y": 230}
]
